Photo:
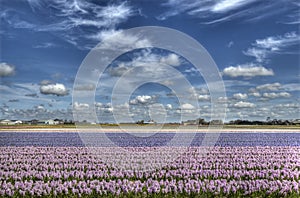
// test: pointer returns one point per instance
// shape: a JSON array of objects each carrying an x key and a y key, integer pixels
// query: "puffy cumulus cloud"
[
  {"x": 144, "y": 99},
  {"x": 36, "y": 112},
  {"x": 269, "y": 87},
  {"x": 266, "y": 87},
  {"x": 242, "y": 104},
  {"x": 223, "y": 99},
  {"x": 6, "y": 70},
  {"x": 105, "y": 108},
  {"x": 171, "y": 59},
  {"x": 169, "y": 106},
  {"x": 188, "y": 111},
  {"x": 187, "y": 106},
  {"x": 240, "y": 96},
  {"x": 203, "y": 97},
  {"x": 151, "y": 63},
  {"x": 54, "y": 89},
  {"x": 201, "y": 94},
  {"x": 273, "y": 95},
  {"x": 117, "y": 39},
  {"x": 247, "y": 70},
  {"x": 80, "y": 106},
  {"x": 289, "y": 105},
  {"x": 255, "y": 94},
  {"x": 200, "y": 90}
]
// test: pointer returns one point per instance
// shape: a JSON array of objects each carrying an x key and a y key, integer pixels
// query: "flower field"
[{"x": 223, "y": 171}]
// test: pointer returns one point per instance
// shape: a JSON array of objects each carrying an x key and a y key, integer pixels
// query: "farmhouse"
[
  {"x": 10, "y": 122},
  {"x": 6, "y": 122}
]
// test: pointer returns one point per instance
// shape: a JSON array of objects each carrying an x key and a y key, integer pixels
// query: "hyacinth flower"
[{"x": 224, "y": 171}]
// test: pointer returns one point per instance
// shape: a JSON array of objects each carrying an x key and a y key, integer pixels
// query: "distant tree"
[
  {"x": 202, "y": 121},
  {"x": 140, "y": 122},
  {"x": 216, "y": 122}
]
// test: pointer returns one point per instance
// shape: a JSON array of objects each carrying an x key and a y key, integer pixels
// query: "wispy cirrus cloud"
[
  {"x": 262, "y": 48},
  {"x": 73, "y": 17},
  {"x": 293, "y": 18},
  {"x": 211, "y": 12},
  {"x": 45, "y": 45},
  {"x": 227, "y": 5},
  {"x": 201, "y": 9}
]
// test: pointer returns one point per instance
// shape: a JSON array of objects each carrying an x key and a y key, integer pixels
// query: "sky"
[{"x": 43, "y": 44}]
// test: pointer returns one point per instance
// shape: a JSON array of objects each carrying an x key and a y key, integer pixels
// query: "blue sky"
[{"x": 255, "y": 45}]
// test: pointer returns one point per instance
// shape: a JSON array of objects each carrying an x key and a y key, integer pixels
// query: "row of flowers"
[{"x": 219, "y": 171}]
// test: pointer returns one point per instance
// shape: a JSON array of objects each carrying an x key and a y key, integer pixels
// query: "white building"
[{"x": 6, "y": 122}]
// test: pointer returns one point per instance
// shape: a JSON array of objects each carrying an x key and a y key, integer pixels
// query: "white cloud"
[
  {"x": 144, "y": 99},
  {"x": 223, "y": 99},
  {"x": 273, "y": 95},
  {"x": 81, "y": 106},
  {"x": 262, "y": 48},
  {"x": 240, "y": 96},
  {"x": 171, "y": 59},
  {"x": 209, "y": 12},
  {"x": 71, "y": 18},
  {"x": 247, "y": 70},
  {"x": 54, "y": 89},
  {"x": 117, "y": 39},
  {"x": 200, "y": 90},
  {"x": 45, "y": 82},
  {"x": 115, "y": 13},
  {"x": 148, "y": 64},
  {"x": 103, "y": 16},
  {"x": 203, "y": 97},
  {"x": 169, "y": 106},
  {"x": 242, "y": 104},
  {"x": 266, "y": 87},
  {"x": 227, "y": 5},
  {"x": 45, "y": 45},
  {"x": 6, "y": 70},
  {"x": 291, "y": 87},
  {"x": 230, "y": 44},
  {"x": 36, "y": 112},
  {"x": 289, "y": 105},
  {"x": 274, "y": 43},
  {"x": 259, "y": 54},
  {"x": 187, "y": 106},
  {"x": 255, "y": 94},
  {"x": 188, "y": 111},
  {"x": 269, "y": 87},
  {"x": 108, "y": 108}
]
